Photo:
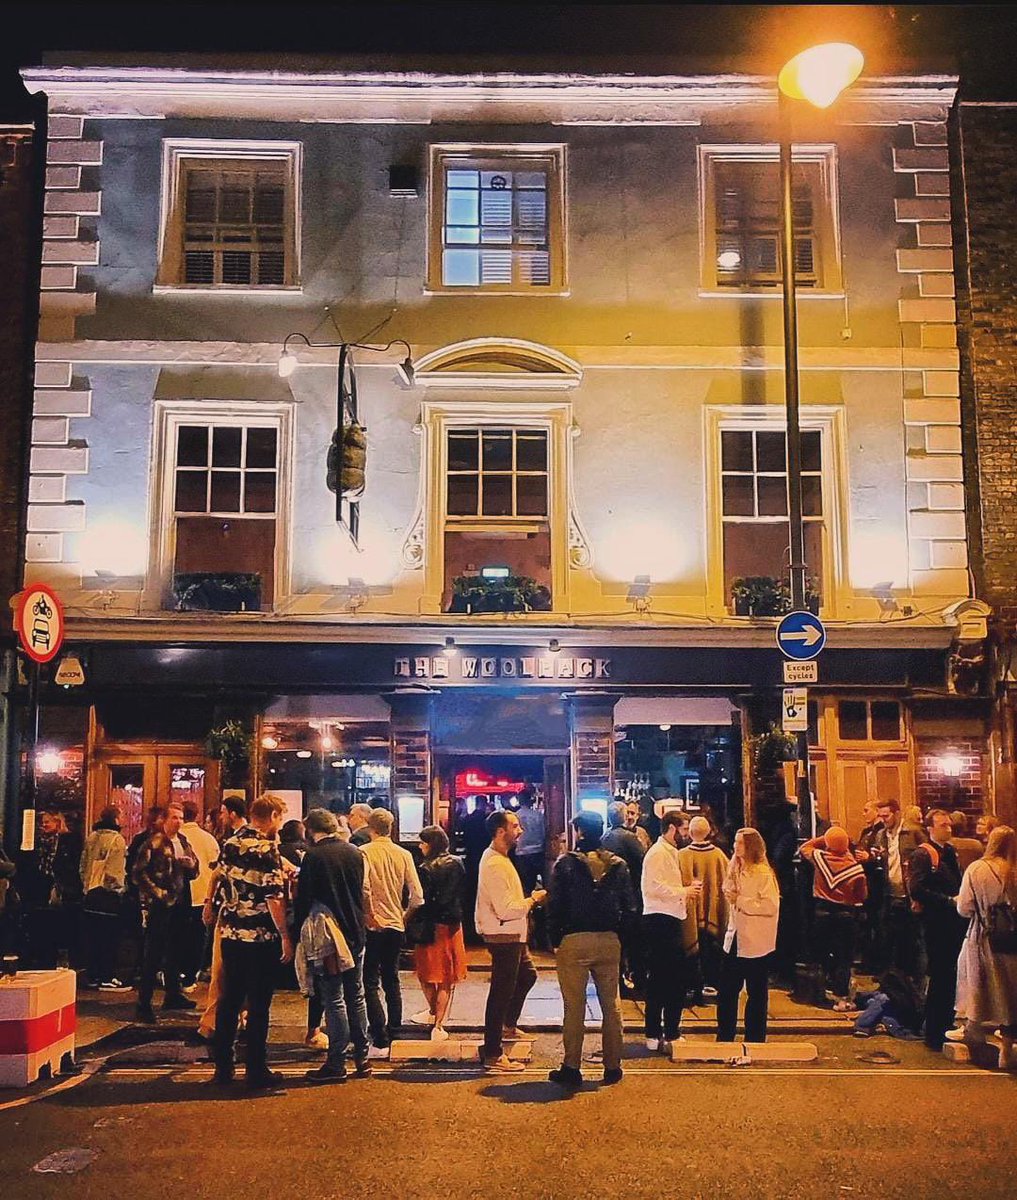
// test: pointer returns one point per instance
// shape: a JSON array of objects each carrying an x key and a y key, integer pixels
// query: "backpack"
[
  {"x": 933, "y": 854},
  {"x": 1000, "y": 923}
]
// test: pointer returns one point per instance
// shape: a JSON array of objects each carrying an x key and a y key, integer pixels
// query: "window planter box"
[
  {"x": 206, "y": 591},
  {"x": 513, "y": 594}
]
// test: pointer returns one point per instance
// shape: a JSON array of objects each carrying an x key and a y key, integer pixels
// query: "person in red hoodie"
[{"x": 839, "y": 889}]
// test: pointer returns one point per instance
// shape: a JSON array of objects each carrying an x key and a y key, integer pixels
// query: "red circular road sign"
[{"x": 39, "y": 621}]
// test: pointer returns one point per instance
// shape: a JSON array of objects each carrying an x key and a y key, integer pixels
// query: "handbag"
[
  {"x": 419, "y": 928},
  {"x": 1000, "y": 923}
]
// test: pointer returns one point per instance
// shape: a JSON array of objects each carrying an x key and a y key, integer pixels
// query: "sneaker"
[
  {"x": 862, "y": 1033},
  {"x": 513, "y": 1033},
  {"x": 503, "y": 1065},
  {"x": 438, "y": 1034},
  {"x": 955, "y": 1035},
  {"x": 178, "y": 1004},
  {"x": 316, "y": 1040},
  {"x": 144, "y": 1015},
  {"x": 362, "y": 1068},
  {"x": 424, "y": 1017},
  {"x": 204, "y": 977},
  {"x": 566, "y": 1077},
  {"x": 221, "y": 1078},
  {"x": 189, "y": 989},
  {"x": 264, "y": 1081},
  {"x": 612, "y": 1075},
  {"x": 653, "y": 1044},
  {"x": 709, "y": 994},
  {"x": 326, "y": 1074},
  {"x": 113, "y": 985},
  {"x": 378, "y": 1052},
  {"x": 843, "y": 1006}
]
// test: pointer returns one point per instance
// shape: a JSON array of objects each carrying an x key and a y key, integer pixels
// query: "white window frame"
[
  {"x": 169, "y": 416},
  {"x": 516, "y": 154},
  {"x": 829, "y": 421},
  {"x": 176, "y": 154},
  {"x": 458, "y": 520},
  {"x": 827, "y": 217}
]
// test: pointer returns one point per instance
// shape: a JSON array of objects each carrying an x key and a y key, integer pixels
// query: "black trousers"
[
  {"x": 165, "y": 932},
  {"x": 193, "y": 950},
  {"x": 753, "y": 975},
  {"x": 248, "y": 974},
  {"x": 102, "y": 942},
  {"x": 634, "y": 953},
  {"x": 944, "y": 934},
  {"x": 381, "y": 974},
  {"x": 902, "y": 938},
  {"x": 512, "y": 976},
  {"x": 665, "y": 975},
  {"x": 835, "y": 927}
]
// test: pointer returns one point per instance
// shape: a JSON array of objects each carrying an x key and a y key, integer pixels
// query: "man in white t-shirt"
[{"x": 206, "y": 850}]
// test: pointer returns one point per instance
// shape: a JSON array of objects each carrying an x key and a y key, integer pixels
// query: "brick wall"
[
  {"x": 987, "y": 144},
  {"x": 936, "y": 789},
  {"x": 594, "y": 761},
  {"x": 16, "y": 258}
]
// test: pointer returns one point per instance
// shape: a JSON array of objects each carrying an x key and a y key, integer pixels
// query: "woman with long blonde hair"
[
  {"x": 987, "y": 978},
  {"x": 754, "y": 907}
]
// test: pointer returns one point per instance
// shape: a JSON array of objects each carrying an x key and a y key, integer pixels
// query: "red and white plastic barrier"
[{"x": 38, "y": 1017}]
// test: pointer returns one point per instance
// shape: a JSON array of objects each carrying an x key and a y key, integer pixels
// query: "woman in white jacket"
[{"x": 754, "y": 906}]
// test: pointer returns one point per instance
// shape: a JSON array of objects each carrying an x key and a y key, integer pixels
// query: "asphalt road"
[{"x": 840, "y": 1127}]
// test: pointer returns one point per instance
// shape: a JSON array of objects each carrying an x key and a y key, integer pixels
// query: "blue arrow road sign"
[{"x": 801, "y": 636}]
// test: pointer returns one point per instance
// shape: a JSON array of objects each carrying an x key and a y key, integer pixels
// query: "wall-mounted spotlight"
[
  {"x": 554, "y": 646},
  {"x": 451, "y": 649},
  {"x": 269, "y": 742}
]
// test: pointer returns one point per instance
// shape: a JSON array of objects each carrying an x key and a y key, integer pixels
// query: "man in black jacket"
[
  {"x": 590, "y": 901},
  {"x": 934, "y": 879},
  {"x": 334, "y": 874},
  {"x": 626, "y": 844}
]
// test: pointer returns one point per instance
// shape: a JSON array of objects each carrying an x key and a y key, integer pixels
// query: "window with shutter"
[
  {"x": 232, "y": 216},
  {"x": 497, "y": 223},
  {"x": 742, "y": 217}
]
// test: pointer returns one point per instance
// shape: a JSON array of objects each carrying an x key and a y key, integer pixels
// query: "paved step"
[
  {"x": 454, "y": 1050},
  {"x": 743, "y": 1052}
]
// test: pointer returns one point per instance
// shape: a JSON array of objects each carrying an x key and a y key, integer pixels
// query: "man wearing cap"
[{"x": 839, "y": 889}]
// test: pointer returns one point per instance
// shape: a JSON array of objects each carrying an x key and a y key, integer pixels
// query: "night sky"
[{"x": 978, "y": 41}]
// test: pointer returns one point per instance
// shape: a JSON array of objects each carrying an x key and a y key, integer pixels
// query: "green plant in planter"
[
  {"x": 772, "y": 748},
  {"x": 230, "y": 744},
  {"x": 514, "y": 593},
  {"x": 211, "y": 591},
  {"x": 767, "y": 596}
]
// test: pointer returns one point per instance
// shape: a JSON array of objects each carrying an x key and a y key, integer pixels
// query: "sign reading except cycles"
[
  {"x": 801, "y": 635},
  {"x": 39, "y": 622}
]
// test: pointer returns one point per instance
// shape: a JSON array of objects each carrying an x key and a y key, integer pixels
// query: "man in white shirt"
[
  {"x": 665, "y": 897},
  {"x": 391, "y": 875},
  {"x": 501, "y": 916},
  {"x": 206, "y": 851}
]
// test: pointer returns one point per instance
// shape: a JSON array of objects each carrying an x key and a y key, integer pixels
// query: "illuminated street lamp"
[{"x": 818, "y": 75}]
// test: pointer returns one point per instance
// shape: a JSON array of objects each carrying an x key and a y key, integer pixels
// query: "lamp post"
[{"x": 817, "y": 75}]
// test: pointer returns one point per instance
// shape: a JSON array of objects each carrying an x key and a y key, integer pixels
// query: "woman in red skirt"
[{"x": 440, "y": 955}]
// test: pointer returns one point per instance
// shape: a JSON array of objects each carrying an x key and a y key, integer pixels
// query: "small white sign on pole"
[
  {"x": 795, "y": 710},
  {"x": 801, "y": 672}
]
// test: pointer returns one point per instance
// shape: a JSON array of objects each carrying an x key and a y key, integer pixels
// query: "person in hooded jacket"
[
  {"x": 590, "y": 901},
  {"x": 103, "y": 875}
]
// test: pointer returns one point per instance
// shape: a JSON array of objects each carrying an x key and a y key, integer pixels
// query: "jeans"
[
  {"x": 877, "y": 1012},
  {"x": 835, "y": 942},
  {"x": 665, "y": 975},
  {"x": 249, "y": 971},
  {"x": 381, "y": 974},
  {"x": 345, "y": 1008},
  {"x": 512, "y": 976},
  {"x": 753, "y": 974},
  {"x": 579, "y": 956},
  {"x": 165, "y": 930}
]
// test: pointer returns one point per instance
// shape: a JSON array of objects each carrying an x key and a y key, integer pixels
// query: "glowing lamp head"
[
  {"x": 287, "y": 364},
  {"x": 821, "y": 73},
  {"x": 269, "y": 742},
  {"x": 729, "y": 260},
  {"x": 327, "y": 743},
  {"x": 951, "y": 765},
  {"x": 48, "y": 762}
]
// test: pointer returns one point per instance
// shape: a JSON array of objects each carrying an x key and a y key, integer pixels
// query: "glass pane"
[
  {"x": 191, "y": 492},
  {"x": 225, "y": 491},
  {"x": 261, "y": 447},
  {"x": 531, "y": 495},
  {"x": 885, "y": 720},
  {"x": 460, "y": 268},
  {"x": 464, "y": 179},
  {"x": 187, "y": 783},
  {"x": 226, "y": 446},
  {"x": 736, "y": 450},
  {"x": 497, "y": 496},
  {"x": 259, "y": 492},
  {"x": 771, "y": 451},
  {"x": 127, "y": 795},
  {"x": 814, "y": 554},
  {"x": 755, "y": 548},
  {"x": 772, "y": 496},
  {"x": 851, "y": 723},
  {"x": 192, "y": 446},
  {"x": 531, "y": 451},
  {"x": 462, "y": 495},
  {"x": 269, "y": 204},
  {"x": 462, "y": 235},
  {"x": 812, "y": 459},
  {"x": 738, "y": 496},
  {"x": 461, "y": 208},
  {"x": 498, "y": 450},
  {"x": 462, "y": 451},
  {"x": 812, "y": 496},
  {"x": 497, "y": 181}
]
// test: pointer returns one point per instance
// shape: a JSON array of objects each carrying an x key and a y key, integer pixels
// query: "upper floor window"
[
  {"x": 497, "y": 473},
  {"x": 869, "y": 720},
  {"x": 497, "y": 219},
  {"x": 226, "y": 469},
  {"x": 742, "y": 225},
  {"x": 231, "y": 215}
]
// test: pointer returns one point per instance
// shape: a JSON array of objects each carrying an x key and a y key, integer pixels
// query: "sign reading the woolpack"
[
  {"x": 39, "y": 621},
  {"x": 467, "y": 668}
]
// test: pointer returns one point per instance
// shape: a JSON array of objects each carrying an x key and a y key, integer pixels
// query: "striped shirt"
[{"x": 251, "y": 875}]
